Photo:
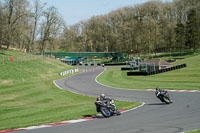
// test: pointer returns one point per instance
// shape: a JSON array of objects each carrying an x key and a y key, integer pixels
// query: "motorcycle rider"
[
  {"x": 107, "y": 101},
  {"x": 160, "y": 92},
  {"x": 102, "y": 97}
]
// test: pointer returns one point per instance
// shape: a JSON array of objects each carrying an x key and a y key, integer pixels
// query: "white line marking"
[
  {"x": 76, "y": 121},
  {"x": 36, "y": 127},
  {"x": 143, "y": 103}
]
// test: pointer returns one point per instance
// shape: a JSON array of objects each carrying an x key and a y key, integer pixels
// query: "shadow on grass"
[
  {"x": 3, "y": 53},
  {"x": 174, "y": 54}
]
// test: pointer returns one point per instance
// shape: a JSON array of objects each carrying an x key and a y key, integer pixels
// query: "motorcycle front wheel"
[
  {"x": 167, "y": 101},
  {"x": 118, "y": 112},
  {"x": 105, "y": 112}
]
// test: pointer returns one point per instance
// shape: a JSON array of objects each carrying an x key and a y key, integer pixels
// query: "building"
[
  {"x": 153, "y": 65},
  {"x": 73, "y": 60}
]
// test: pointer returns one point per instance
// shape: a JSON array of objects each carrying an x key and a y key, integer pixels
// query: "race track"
[{"x": 153, "y": 117}]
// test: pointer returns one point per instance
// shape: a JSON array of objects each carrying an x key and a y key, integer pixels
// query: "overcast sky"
[{"x": 74, "y": 11}]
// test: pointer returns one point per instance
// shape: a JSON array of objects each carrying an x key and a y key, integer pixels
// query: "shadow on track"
[
  {"x": 157, "y": 104},
  {"x": 94, "y": 116}
]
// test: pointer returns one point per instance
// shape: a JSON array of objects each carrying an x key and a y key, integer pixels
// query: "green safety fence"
[{"x": 85, "y": 54}]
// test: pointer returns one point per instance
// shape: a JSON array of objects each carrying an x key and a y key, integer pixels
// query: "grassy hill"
[
  {"x": 29, "y": 97},
  {"x": 194, "y": 131},
  {"x": 187, "y": 78}
]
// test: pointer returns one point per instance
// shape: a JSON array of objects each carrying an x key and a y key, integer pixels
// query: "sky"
[{"x": 74, "y": 11}]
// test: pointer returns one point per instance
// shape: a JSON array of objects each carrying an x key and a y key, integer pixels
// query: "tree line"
[
  {"x": 151, "y": 27},
  {"x": 29, "y": 25}
]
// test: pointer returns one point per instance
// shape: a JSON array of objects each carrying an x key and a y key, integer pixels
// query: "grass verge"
[
  {"x": 184, "y": 79},
  {"x": 195, "y": 131},
  {"x": 28, "y": 96}
]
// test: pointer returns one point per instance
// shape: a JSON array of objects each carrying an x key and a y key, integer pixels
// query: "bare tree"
[
  {"x": 35, "y": 17},
  {"x": 49, "y": 27},
  {"x": 15, "y": 11},
  {"x": 1, "y": 24}
]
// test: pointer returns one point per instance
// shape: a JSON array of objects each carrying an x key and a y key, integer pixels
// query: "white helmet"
[{"x": 103, "y": 95}]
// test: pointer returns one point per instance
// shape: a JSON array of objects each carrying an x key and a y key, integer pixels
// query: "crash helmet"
[
  {"x": 157, "y": 89},
  {"x": 102, "y": 95}
]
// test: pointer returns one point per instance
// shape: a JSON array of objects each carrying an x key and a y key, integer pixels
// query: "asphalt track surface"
[{"x": 153, "y": 117}]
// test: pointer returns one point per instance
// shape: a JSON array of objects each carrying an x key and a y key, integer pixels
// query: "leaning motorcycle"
[
  {"x": 107, "y": 109},
  {"x": 165, "y": 98}
]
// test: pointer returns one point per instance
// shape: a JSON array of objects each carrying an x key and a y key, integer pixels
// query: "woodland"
[{"x": 147, "y": 28}]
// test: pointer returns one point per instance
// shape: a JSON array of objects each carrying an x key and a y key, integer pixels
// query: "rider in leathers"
[
  {"x": 107, "y": 101},
  {"x": 160, "y": 92}
]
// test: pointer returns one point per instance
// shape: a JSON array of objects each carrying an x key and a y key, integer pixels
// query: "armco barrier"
[
  {"x": 126, "y": 68},
  {"x": 69, "y": 72},
  {"x": 137, "y": 73},
  {"x": 129, "y": 68},
  {"x": 115, "y": 64},
  {"x": 184, "y": 65},
  {"x": 177, "y": 67}
]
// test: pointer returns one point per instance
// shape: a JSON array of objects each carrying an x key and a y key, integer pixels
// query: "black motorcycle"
[
  {"x": 107, "y": 108},
  {"x": 164, "y": 97}
]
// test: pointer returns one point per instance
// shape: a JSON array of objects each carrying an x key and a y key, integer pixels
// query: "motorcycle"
[
  {"x": 164, "y": 97},
  {"x": 107, "y": 108}
]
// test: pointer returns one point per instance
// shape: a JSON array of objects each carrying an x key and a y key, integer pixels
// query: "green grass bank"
[
  {"x": 28, "y": 96},
  {"x": 195, "y": 131},
  {"x": 184, "y": 79}
]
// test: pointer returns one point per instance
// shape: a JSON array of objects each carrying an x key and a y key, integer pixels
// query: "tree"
[
  {"x": 35, "y": 17},
  {"x": 49, "y": 26},
  {"x": 14, "y": 12},
  {"x": 1, "y": 25},
  {"x": 192, "y": 30},
  {"x": 180, "y": 36}
]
